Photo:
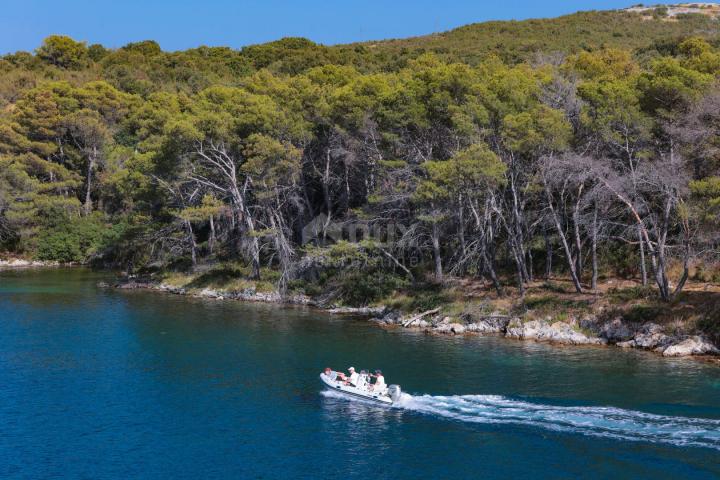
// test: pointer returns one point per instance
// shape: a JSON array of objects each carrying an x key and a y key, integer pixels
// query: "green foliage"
[
  {"x": 64, "y": 52},
  {"x": 668, "y": 85},
  {"x": 76, "y": 239},
  {"x": 218, "y": 154},
  {"x": 706, "y": 196},
  {"x": 427, "y": 296},
  {"x": 364, "y": 288}
]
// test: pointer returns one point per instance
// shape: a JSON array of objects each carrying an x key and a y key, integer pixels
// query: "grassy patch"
[
  {"x": 557, "y": 287},
  {"x": 429, "y": 296},
  {"x": 227, "y": 277},
  {"x": 551, "y": 304},
  {"x": 644, "y": 313},
  {"x": 623, "y": 295},
  {"x": 423, "y": 297}
]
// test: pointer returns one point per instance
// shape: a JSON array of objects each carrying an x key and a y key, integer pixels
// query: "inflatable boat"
[{"x": 387, "y": 396}]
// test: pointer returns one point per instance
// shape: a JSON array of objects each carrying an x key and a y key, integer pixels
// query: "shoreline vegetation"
[
  {"x": 622, "y": 313},
  {"x": 551, "y": 179}
]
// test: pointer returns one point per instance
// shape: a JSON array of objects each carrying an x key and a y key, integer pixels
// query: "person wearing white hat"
[{"x": 354, "y": 377}]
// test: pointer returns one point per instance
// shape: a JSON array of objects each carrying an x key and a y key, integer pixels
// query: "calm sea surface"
[{"x": 108, "y": 384}]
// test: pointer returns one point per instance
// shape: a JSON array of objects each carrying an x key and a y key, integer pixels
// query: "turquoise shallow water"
[{"x": 108, "y": 384}]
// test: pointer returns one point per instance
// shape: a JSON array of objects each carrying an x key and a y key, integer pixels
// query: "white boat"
[{"x": 387, "y": 396}]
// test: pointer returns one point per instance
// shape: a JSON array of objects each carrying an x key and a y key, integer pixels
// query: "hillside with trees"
[{"x": 580, "y": 149}]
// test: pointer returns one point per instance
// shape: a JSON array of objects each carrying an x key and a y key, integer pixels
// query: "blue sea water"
[{"x": 98, "y": 383}]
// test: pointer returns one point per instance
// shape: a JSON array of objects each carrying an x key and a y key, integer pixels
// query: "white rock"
[
  {"x": 454, "y": 328},
  {"x": 540, "y": 330},
  {"x": 492, "y": 324},
  {"x": 514, "y": 329},
  {"x": 695, "y": 345},
  {"x": 209, "y": 293},
  {"x": 651, "y": 336},
  {"x": 458, "y": 328}
]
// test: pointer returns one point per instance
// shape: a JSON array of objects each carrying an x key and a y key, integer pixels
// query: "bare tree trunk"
[
  {"x": 578, "y": 242},
  {"x": 193, "y": 245},
  {"x": 282, "y": 247},
  {"x": 436, "y": 251},
  {"x": 563, "y": 240},
  {"x": 529, "y": 262},
  {"x": 686, "y": 269},
  {"x": 548, "y": 254},
  {"x": 517, "y": 232},
  {"x": 88, "y": 189},
  {"x": 657, "y": 253},
  {"x": 326, "y": 195},
  {"x": 489, "y": 266},
  {"x": 593, "y": 282},
  {"x": 643, "y": 267},
  {"x": 461, "y": 232},
  {"x": 254, "y": 246},
  {"x": 521, "y": 283},
  {"x": 213, "y": 237}
]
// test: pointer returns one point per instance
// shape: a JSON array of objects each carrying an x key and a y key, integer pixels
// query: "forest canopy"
[{"x": 587, "y": 145}]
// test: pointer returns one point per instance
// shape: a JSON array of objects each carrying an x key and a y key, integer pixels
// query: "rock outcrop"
[
  {"x": 22, "y": 263},
  {"x": 557, "y": 332},
  {"x": 650, "y": 336},
  {"x": 695, "y": 345},
  {"x": 358, "y": 310},
  {"x": 450, "y": 327},
  {"x": 616, "y": 331},
  {"x": 490, "y": 324}
]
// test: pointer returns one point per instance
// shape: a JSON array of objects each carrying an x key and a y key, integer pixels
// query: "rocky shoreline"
[
  {"x": 589, "y": 330},
  {"x": 22, "y": 263}
]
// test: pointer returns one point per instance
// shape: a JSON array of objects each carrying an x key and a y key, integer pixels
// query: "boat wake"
[{"x": 608, "y": 422}]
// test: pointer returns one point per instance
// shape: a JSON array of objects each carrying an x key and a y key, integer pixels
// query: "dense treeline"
[{"x": 592, "y": 163}]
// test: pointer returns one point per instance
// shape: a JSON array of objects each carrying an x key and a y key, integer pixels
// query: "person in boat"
[
  {"x": 363, "y": 381},
  {"x": 379, "y": 385},
  {"x": 352, "y": 378}
]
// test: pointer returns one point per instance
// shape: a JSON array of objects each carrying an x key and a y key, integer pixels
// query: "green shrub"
[
  {"x": 360, "y": 288},
  {"x": 75, "y": 239},
  {"x": 60, "y": 246},
  {"x": 428, "y": 296}
]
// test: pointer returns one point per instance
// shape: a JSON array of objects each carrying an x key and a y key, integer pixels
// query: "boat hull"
[{"x": 339, "y": 386}]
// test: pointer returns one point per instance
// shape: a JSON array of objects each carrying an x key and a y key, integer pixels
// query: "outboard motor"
[{"x": 394, "y": 392}]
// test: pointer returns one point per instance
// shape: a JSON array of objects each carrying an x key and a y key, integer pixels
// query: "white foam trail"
[{"x": 608, "y": 422}]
